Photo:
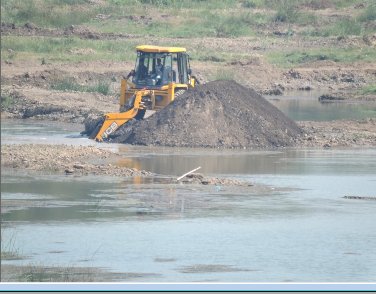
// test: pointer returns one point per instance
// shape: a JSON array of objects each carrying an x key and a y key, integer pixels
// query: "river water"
[
  {"x": 304, "y": 105},
  {"x": 299, "y": 228}
]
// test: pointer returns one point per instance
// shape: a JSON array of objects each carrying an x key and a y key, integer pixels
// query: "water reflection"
[
  {"x": 304, "y": 106},
  {"x": 174, "y": 162},
  {"x": 28, "y": 131}
]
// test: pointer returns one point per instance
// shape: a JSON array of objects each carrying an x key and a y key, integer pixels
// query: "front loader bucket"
[{"x": 112, "y": 121}]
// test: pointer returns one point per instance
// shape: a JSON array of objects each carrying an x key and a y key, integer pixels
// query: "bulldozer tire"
[
  {"x": 140, "y": 114},
  {"x": 97, "y": 128}
]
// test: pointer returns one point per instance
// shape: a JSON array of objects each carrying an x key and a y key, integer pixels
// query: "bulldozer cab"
[{"x": 158, "y": 66}]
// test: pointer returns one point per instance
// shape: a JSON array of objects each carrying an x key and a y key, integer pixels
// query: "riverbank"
[
  {"x": 78, "y": 74},
  {"x": 84, "y": 160}
]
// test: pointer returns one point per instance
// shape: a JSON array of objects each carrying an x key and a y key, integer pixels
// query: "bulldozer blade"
[
  {"x": 111, "y": 122},
  {"x": 98, "y": 126}
]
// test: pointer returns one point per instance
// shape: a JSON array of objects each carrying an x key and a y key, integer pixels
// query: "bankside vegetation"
[
  {"x": 224, "y": 38},
  {"x": 266, "y": 20}
]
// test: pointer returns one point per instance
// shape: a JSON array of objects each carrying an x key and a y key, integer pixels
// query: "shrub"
[
  {"x": 346, "y": 27},
  {"x": 69, "y": 84},
  {"x": 52, "y": 13},
  {"x": 286, "y": 11},
  {"x": 9, "y": 251},
  {"x": 224, "y": 74},
  {"x": 319, "y": 4},
  {"x": 101, "y": 87},
  {"x": 232, "y": 26},
  {"x": 371, "y": 89},
  {"x": 249, "y": 4},
  {"x": 210, "y": 58},
  {"x": 348, "y": 55},
  {"x": 62, "y": 49},
  {"x": 369, "y": 14},
  {"x": 6, "y": 101}
]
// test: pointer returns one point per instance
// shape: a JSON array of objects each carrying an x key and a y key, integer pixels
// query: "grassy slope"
[{"x": 278, "y": 26}]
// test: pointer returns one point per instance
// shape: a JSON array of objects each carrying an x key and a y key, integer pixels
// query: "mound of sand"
[{"x": 219, "y": 114}]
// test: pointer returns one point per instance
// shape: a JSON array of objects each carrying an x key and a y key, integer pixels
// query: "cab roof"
[{"x": 160, "y": 49}]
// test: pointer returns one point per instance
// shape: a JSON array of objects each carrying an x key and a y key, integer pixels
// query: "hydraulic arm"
[{"x": 112, "y": 121}]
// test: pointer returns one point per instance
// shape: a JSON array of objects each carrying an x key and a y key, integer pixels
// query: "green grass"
[
  {"x": 293, "y": 58},
  {"x": 203, "y": 23},
  {"x": 100, "y": 87},
  {"x": 219, "y": 56},
  {"x": 345, "y": 27},
  {"x": 180, "y": 19},
  {"x": 9, "y": 251},
  {"x": 183, "y": 18},
  {"x": 51, "y": 49},
  {"x": 370, "y": 89},
  {"x": 228, "y": 19},
  {"x": 48, "y": 13},
  {"x": 342, "y": 28},
  {"x": 62, "y": 13},
  {"x": 66, "y": 49},
  {"x": 6, "y": 101},
  {"x": 369, "y": 14},
  {"x": 42, "y": 273},
  {"x": 230, "y": 26},
  {"x": 68, "y": 84},
  {"x": 348, "y": 3},
  {"x": 224, "y": 74},
  {"x": 287, "y": 11},
  {"x": 10, "y": 255},
  {"x": 203, "y": 4}
]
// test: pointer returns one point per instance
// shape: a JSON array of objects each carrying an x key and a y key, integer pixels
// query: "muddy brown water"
[{"x": 299, "y": 228}]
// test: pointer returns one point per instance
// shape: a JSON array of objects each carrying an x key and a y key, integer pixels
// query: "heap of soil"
[{"x": 219, "y": 114}]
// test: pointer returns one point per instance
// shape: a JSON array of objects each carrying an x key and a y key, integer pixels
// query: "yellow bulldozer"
[{"x": 160, "y": 75}]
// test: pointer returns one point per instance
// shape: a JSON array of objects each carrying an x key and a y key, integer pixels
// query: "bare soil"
[
  {"x": 65, "y": 159},
  {"x": 341, "y": 133}
]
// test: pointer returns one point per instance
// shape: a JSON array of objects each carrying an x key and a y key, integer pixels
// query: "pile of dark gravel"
[{"x": 219, "y": 114}]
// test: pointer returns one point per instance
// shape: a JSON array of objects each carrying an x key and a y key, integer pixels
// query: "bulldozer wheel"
[
  {"x": 97, "y": 128},
  {"x": 140, "y": 114}
]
